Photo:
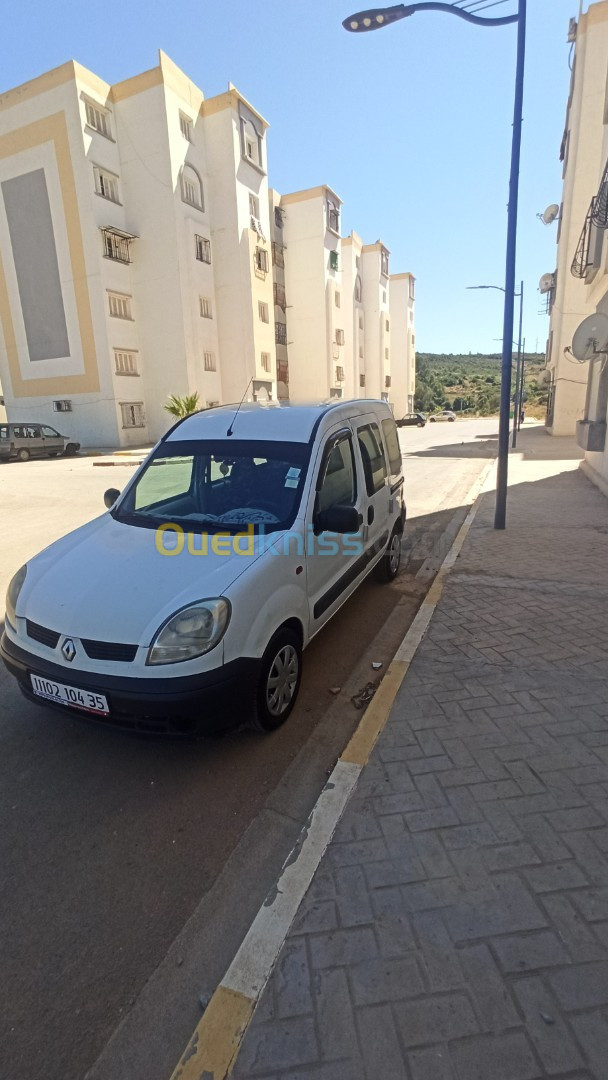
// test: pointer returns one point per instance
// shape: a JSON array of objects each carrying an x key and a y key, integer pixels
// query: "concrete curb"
[{"x": 214, "y": 1045}]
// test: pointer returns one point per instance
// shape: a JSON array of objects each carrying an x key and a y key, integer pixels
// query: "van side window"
[
  {"x": 19, "y": 432},
  {"x": 3, "y": 431},
  {"x": 50, "y": 432},
  {"x": 372, "y": 453},
  {"x": 337, "y": 484},
  {"x": 391, "y": 439}
]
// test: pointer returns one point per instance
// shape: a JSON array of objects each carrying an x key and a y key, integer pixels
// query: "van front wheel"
[
  {"x": 279, "y": 681},
  {"x": 23, "y": 454}
]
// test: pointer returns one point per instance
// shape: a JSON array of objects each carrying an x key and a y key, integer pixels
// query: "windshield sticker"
[
  {"x": 293, "y": 473},
  {"x": 291, "y": 482}
]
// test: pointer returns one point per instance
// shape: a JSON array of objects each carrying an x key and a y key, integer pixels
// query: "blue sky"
[{"x": 410, "y": 125}]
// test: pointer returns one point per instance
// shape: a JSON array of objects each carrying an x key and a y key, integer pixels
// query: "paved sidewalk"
[{"x": 457, "y": 927}]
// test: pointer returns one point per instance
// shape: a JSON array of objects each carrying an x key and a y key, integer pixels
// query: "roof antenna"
[{"x": 229, "y": 432}]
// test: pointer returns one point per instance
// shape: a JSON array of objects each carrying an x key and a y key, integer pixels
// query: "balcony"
[
  {"x": 278, "y": 256},
  {"x": 117, "y": 244},
  {"x": 279, "y": 296}
]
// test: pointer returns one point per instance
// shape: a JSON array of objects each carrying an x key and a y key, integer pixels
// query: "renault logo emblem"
[{"x": 69, "y": 650}]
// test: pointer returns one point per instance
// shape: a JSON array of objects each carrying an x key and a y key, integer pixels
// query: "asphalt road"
[{"x": 131, "y": 867}]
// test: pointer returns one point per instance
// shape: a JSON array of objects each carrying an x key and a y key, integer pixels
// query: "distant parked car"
[
  {"x": 445, "y": 414},
  {"x": 412, "y": 419},
  {"x": 24, "y": 441}
]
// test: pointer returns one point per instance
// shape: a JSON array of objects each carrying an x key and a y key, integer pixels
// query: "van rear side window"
[
  {"x": 391, "y": 437},
  {"x": 3, "y": 431},
  {"x": 372, "y": 453}
]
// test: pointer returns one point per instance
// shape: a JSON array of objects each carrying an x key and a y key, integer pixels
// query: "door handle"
[{"x": 370, "y": 515}]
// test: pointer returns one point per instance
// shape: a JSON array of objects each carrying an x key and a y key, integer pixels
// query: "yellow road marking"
[{"x": 216, "y": 1039}]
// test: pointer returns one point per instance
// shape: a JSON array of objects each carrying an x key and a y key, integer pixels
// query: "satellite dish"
[
  {"x": 550, "y": 214},
  {"x": 591, "y": 338},
  {"x": 545, "y": 377},
  {"x": 546, "y": 283}
]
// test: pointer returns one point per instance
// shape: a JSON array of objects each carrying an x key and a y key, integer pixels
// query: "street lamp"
[
  {"x": 518, "y": 392},
  {"x": 376, "y": 19}
]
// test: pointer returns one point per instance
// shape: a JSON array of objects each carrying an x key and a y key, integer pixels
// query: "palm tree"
[{"x": 182, "y": 406}]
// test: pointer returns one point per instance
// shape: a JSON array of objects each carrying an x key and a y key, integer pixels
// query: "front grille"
[
  {"x": 109, "y": 650},
  {"x": 42, "y": 634}
]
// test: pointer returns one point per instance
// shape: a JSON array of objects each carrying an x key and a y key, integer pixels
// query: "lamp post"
[
  {"x": 518, "y": 391},
  {"x": 376, "y": 19}
]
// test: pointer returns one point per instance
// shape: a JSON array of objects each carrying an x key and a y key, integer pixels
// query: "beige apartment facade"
[
  {"x": 572, "y": 291},
  {"x": 143, "y": 255},
  {"x": 348, "y": 324},
  {"x": 580, "y": 389}
]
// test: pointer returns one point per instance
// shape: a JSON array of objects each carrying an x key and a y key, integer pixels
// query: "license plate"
[{"x": 69, "y": 695}]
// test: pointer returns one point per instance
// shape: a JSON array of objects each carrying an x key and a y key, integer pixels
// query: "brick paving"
[{"x": 457, "y": 926}]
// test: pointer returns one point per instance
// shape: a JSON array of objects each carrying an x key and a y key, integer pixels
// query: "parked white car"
[{"x": 187, "y": 605}]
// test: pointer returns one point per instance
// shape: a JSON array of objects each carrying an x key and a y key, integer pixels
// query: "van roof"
[{"x": 277, "y": 421}]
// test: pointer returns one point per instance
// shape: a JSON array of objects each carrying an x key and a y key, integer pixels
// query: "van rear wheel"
[
  {"x": 279, "y": 682},
  {"x": 388, "y": 567},
  {"x": 23, "y": 454}
]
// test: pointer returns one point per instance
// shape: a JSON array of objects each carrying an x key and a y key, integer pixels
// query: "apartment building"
[
  {"x": 144, "y": 255},
  {"x": 340, "y": 299},
  {"x": 579, "y": 391},
  {"x": 572, "y": 290},
  {"x": 134, "y": 236}
]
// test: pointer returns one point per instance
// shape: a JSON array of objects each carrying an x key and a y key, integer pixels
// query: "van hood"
[{"x": 108, "y": 581}]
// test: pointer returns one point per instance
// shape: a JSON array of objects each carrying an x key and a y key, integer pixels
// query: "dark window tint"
[
  {"x": 374, "y": 465},
  {"x": 337, "y": 482},
  {"x": 391, "y": 438}
]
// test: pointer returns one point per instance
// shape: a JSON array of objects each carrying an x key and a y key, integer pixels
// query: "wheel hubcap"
[
  {"x": 282, "y": 680},
  {"x": 394, "y": 555}
]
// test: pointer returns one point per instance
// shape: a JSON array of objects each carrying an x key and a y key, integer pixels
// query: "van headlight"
[
  {"x": 12, "y": 595},
  {"x": 191, "y": 632}
]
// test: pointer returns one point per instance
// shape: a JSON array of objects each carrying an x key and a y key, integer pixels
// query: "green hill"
[{"x": 470, "y": 383}]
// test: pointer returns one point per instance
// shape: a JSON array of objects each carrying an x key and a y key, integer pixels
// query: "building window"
[
  {"x": 117, "y": 245},
  {"x": 361, "y": 352},
  {"x": 120, "y": 305},
  {"x": 98, "y": 118},
  {"x": 254, "y": 205},
  {"x": 337, "y": 298},
  {"x": 202, "y": 249},
  {"x": 384, "y": 297},
  {"x": 263, "y": 311},
  {"x": 384, "y": 262},
  {"x": 333, "y": 260},
  {"x": 266, "y": 361},
  {"x": 358, "y": 289},
  {"x": 192, "y": 187},
  {"x": 132, "y": 414},
  {"x": 283, "y": 371},
  {"x": 209, "y": 361},
  {"x": 279, "y": 296},
  {"x": 339, "y": 337},
  {"x": 387, "y": 325},
  {"x": 387, "y": 382},
  {"x": 261, "y": 260},
  {"x": 205, "y": 307},
  {"x": 251, "y": 142},
  {"x": 106, "y": 184},
  {"x": 278, "y": 256},
  {"x": 361, "y": 380},
  {"x": 185, "y": 126},
  {"x": 386, "y": 354},
  {"x": 278, "y": 217},
  {"x": 125, "y": 363},
  {"x": 361, "y": 322},
  {"x": 413, "y": 286},
  {"x": 280, "y": 333},
  {"x": 62, "y": 406},
  {"x": 333, "y": 216},
  {"x": 357, "y": 261},
  {"x": 339, "y": 374}
]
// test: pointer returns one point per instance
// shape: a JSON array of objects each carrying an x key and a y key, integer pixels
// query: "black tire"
[
  {"x": 388, "y": 567},
  {"x": 420, "y": 424},
  {"x": 451, "y": 419},
  {"x": 23, "y": 454},
  {"x": 282, "y": 661},
  {"x": 432, "y": 420},
  {"x": 70, "y": 450}
]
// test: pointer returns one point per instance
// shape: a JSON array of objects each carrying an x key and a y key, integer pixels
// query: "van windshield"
[{"x": 221, "y": 485}]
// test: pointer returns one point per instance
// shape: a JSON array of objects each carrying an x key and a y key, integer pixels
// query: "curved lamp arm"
[{"x": 375, "y": 18}]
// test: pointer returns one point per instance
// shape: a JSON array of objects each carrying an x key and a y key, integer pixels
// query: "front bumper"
[{"x": 181, "y": 705}]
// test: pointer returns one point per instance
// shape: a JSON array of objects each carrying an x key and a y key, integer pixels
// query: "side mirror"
[
  {"x": 110, "y": 497},
  {"x": 339, "y": 519}
]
